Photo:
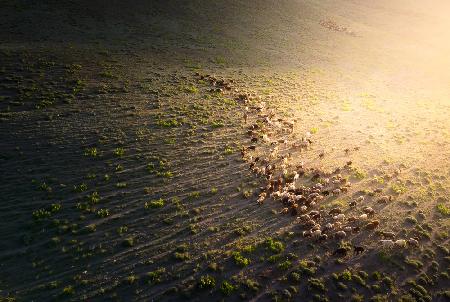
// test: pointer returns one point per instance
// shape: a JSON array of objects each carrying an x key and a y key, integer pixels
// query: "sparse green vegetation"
[
  {"x": 154, "y": 204},
  {"x": 443, "y": 209},
  {"x": 207, "y": 281},
  {"x": 240, "y": 260}
]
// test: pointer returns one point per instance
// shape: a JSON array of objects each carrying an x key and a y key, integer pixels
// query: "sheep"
[
  {"x": 352, "y": 204},
  {"x": 352, "y": 219},
  {"x": 318, "y": 186},
  {"x": 363, "y": 217},
  {"x": 307, "y": 234},
  {"x": 328, "y": 226},
  {"x": 335, "y": 211},
  {"x": 342, "y": 252},
  {"x": 316, "y": 233},
  {"x": 323, "y": 237},
  {"x": 304, "y": 217},
  {"x": 360, "y": 199},
  {"x": 303, "y": 209},
  {"x": 340, "y": 235},
  {"x": 340, "y": 217},
  {"x": 276, "y": 194},
  {"x": 309, "y": 224},
  {"x": 413, "y": 242},
  {"x": 389, "y": 235},
  {"x": 261, "y": 197},
  {"x": 314, "y": 214},
  {"x": 385, "y": 199},
  {"x": 358, "y": 250},
  {"x": 372, "y": 225},
  {"x": 387, "y": 243},
  {"x": 401, "y": 243},
  {"x": 336, "y": 191},
  {"x": 284, "y": 211},
  {"x": 315, "y": 227},
  {"x": 312, "y": 196},
  {"x": 369, "y": 211},
  {"x": 348, "y": 229}
]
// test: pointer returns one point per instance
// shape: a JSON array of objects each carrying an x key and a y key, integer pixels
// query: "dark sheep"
[{"x": 358, "y": 250}]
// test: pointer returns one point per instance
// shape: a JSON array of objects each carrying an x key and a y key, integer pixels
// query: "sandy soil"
[{"x": 137, "y": 142}]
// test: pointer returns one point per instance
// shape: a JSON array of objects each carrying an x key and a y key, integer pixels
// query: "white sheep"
[
  {"x": 261, "y": 197},
  {"x": 316, "y": 233},
  {"x": 328, "y": 226},
  {"x": 339, "y": 217},
  {"x": 363, "y": 217},
  {"x": 400, "y": 243},
  {"x": 304, "y": 217},
  {"x": 316, "y": 227},
  {"x": 386, "y": 243},
  {"x": 348, "y": 229}
]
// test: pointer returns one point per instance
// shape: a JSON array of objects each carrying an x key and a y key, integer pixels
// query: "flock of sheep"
[{"x": 302, "y": 190}]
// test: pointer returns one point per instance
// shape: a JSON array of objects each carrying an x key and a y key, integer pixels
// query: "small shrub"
[
  {"x": 240, "y": 260},
  {"x": 274, "y": 246},
  {"x": 68, "y": 290},
  {"x": 128, "y": 242},
  {"x": 227, "y": 288},
  {"x": 207, "y": 281},
  {"x": 443, "y": 209},
  {"x": 317, "y": 284},
  {"x": 285, "y": 265},
  {"x": 154, "y": 277},
  {"x": 119, "y": 152},
  {"x": 154, "y": 204}
]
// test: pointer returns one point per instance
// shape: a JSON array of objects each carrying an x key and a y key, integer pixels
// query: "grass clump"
[
  {"x": 102, "y": 213},
  {"x": 128, "y": 242},
  {"x": 41, "y": 214},
  {"x": 190, "y": 89},
  {"x": 227, "y": 288},
  {"x": 168, "y": 123},
  {"x": 316, "y": 284},
  {"x": 228, "y": 150},
  {"x": 443, "y": 209},
  {"x": 68, "y": 290},
  {"x": 414, "y": 263},
  {"x": 240, "y": 260},
  {"x": 154, "y": 204},
  {"x": 181, "y": 256},
  {"x": 207, "y": 281},
  {"x": 285, "y": 265},
  {"x": 91, "y": 152},
  {"x": 274, "y": 246},
  {"x": 119, "y": 152},
  {"x": 155, "y": 277}
]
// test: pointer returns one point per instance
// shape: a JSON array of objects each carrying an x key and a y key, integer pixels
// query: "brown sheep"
[{"x": 372, "y": 225}]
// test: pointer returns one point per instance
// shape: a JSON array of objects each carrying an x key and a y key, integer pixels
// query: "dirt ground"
[{"x": 224, "y": 150}]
